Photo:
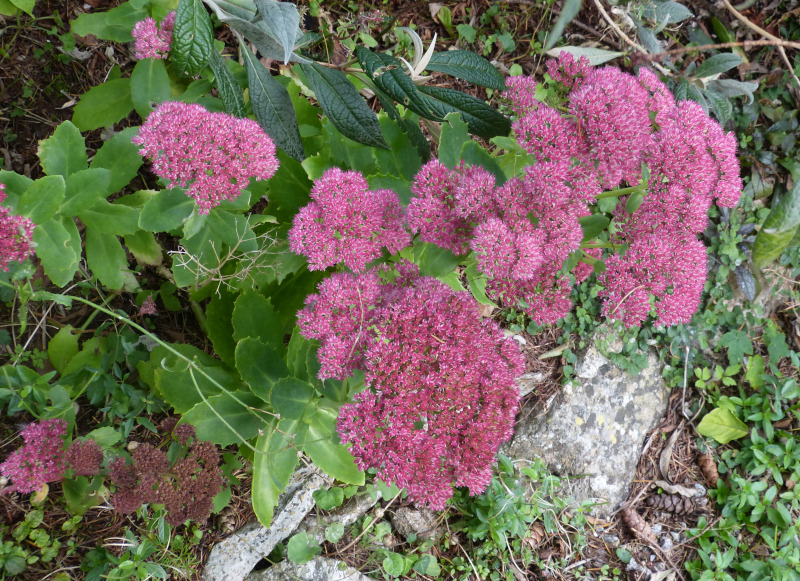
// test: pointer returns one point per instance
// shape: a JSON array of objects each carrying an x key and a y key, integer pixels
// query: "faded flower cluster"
[
  {"x": 152, "y": 41},
  {"x": 441, "y": 395},
  {"x": 16, "y": 234},
  {"x": 214, "y": 155},
  {"x": 43, "y": 459}
]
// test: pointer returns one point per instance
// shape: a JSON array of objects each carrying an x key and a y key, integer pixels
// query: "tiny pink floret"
[
  {"x": 16, "y": 235},
  {"x": 40, "y": 460},
  {"x": 152, "y": 41}
]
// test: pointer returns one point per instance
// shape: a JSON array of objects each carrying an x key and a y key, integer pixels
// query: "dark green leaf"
[
  {"x": 282, "y": 21},
  {"x": 746, "y": 281},
  {"x": 288, "y": 190},
  {"x": 474, "y": 154},
  {"x": 468, "y": 66},
  {"x": 482, "y": 119},
  {"x": 228, "y": 88},
  {"x": 634, "y": 201},
  {"x": 103, "y": 105},
  {"x": 219, "y": 319},
  {"x": 272, "y": 106},
  {"x": 328, "y": 499},
  {"x": 592, "y": 225},
  {"x": 290, "y": 397},
  {"x": 42, "y": 199},
  {"x": 106, "y": 258},
  {"x": 64, "y": 152},
  {"x": 720, "y": 104},
  {"x": 454, "y": 135},
  {"x": 254, "y": 316},
  {"x": 402, "y": 160},
  {"x": 149, "y": 84},
  {"x": 434, "y": 260},
  {"x": 111, "y": 218},
  {"x": 719, "y": 63},
  {"x": 121, "y": 157},
  {"x": 302, "y": 548},
  {"x": 85, "y": 189},
  {"x": 344, "y": 106},
  {"x": 568, "y": 13},
  {"x": 779, "y": 228},
  {"x": 192, "y": 38}
]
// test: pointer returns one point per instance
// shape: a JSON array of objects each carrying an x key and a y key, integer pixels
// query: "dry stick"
[
  {"x": 617, "y": 29},
  {"x": 746, "y": 21},
  {"x": 746, "y": 44}
]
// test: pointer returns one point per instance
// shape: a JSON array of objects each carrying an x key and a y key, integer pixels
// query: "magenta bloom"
[
  {"x": 152, "y": 41},
  {"x": 441, "y": 396},
  {"x": 548, "y": 136},
  {"x": 347, "y": 222},
  {"x": 214, "y": 154},
  {"x": 41, "y": 458},
  {"x": 567, "y": 71},
  {"x": 16, "y": 234},
  {"x": 521, "y": 93}
]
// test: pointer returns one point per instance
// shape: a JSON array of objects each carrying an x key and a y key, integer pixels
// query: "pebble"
[
  {"x": 611, "y": 540},
  {"x": 665, "y": 543},
  {"x": 656, "y": 529}
]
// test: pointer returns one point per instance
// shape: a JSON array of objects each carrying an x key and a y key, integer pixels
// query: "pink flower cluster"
[
  {"x": 152, "y": 41},
  {"x": 16, "y": 234},
  {"x": 441, "y": 395},
  {"x": 41, "y": 459},
  {"x": 214, "y": 154},
  {"x": 347, "y": 222},
  {"x": 617, "y": 123}
]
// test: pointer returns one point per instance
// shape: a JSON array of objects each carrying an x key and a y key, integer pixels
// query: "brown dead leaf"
[{"x": 666, "y": 453}]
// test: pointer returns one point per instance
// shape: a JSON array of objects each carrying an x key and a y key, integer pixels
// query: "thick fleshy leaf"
[
  {"x": 474, "y": 154},
  {"x": 454, "y": 135},
  {"x": 434, "y": 260},
  {"x": 254, "y": 316},
  {"x": 345, "y": 108},
  {"x": 289, "y": 189},
  {"x": 779, "y": 228},
  {"x": 282, "y": 20},
  {"x": 228, "y": 88},
  {"x": 592, "y": 225},
  {"x": 64, "y": 152},
  {"x": 42, "y": 199},
  {"x": 179, "y": 385},
  {"x": 62, "y": 347},
  {"x": 85, "y": 189},
  {"x": 103, "y": 105},
  {"x": 273, "y": 466},
  {"x": 106, "y": 258},
  {"x": 260, "y": 366},
  {"x": 722, "y": 425},
  {"x": 226, "y": 418},
  {"x": 219, "y": 315},
  {"x": 115, "y": 25},
  {"x": 145, "y": 248},
  {"x": 111, "y": 218},
  {"x": 120, "y": 156},
  {"x": 272, "y": 106},
  {"x": 468, "y": 66},
  {"x": 192, "y": 38},
  {"x": 290, "y": 397},
  {"x": 166, "y": 211},
  {"x": 324, "y": 448},
  {"x": 149, "y": 85},
  {"x": 482, "y": 119},
  {"x": 56, "y": 249}
]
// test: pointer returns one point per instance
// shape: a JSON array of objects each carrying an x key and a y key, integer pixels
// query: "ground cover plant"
[{"x": 340, "y": 264}]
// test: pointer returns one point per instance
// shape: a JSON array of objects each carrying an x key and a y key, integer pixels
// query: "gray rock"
[
  {"x": 666, "y": 543},
  {"x": 528, "y": 382},
  {"x": 611, "y": 540},
  {"x": 596, "y": 428},
  {"x": 422, "y": 522},
  {"x": 314, "y": 525},
  {"x": 234, "y": 558},
  {"x": 317, "y": 569}
]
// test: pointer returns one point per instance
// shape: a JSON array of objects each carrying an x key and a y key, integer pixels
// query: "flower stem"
[{"x": 622, "y": 191}]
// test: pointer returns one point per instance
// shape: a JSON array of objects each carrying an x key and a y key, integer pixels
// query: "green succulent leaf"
[
  {"x": 722, "y": 425},
  {"x": 64, "y": 152},
  {"x": 302, "y": 548},
  {"x": 149, "y": 84},
  {"x": 121, "y": 157},
  {"x": 568, "y": 13},
  {"x": 115, "y": 24},
  {"x": 103, "y": 105},
  {"x": 106, "y": 258},
  {"x": 55, "y": 247},
  {"x": 42, "y": 199}
]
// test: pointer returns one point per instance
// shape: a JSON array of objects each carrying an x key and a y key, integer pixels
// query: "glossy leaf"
[
  {"x": 345, "y": 108},
  {"x": 103, "y": 105},
  {"x": 227, "y": 86},
  {"x": 64, "y": 152},
  {"x": 468, "y": 66},
  {"x": 272, "y": 106},
  {"x": 42, "y": 199},
  {"x": 192, "y": 38},
  {"x": 121, "y": 157},
  {"x": 722, "y": 425},
  {"x": 482, "y": 119},
  {"x": 149, "y": 85},
  {"x": 779, "y": 228},
  {"x": 56, "y": 249},
  {"x": 282, "y": 20},
  {"x": 106, "y": 258}
]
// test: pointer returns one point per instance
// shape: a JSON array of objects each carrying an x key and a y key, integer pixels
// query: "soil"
[{"x": 38, "y": 88}]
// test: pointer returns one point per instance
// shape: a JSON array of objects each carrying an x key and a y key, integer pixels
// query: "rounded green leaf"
[
  {"x": 121, "y": 157},
  {"x": 103, "y": 105},
  {"x": 106, "y": 258},
  {"x": 62, "y": 347},
  {"x": 166, "y": 211},
  {"x": 334, "y": 532},
  {"x": 42, "y": 199},
  {"x": 85, "y": 189},
  {"x": 722, "y": 425},
  {"x": 64, "y": 152},
  {"x": 56, "y": 249},
  {"x": 226, "y": 419},
  {"x": 302, "y": 548},
  {"x": 290, "y": 397},
  {"x": 149, "y": 84},
  {"x": 328, "y": 499},
  {"x": 254, "y": 316},
  {"x": 259, "y": 365}
]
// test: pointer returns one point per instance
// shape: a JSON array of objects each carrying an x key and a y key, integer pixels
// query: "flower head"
[
  {"x": 521, "y": 93},
  {"x": 41, "y": 459},
  {"x": 347, "y": 222},
  {"x": 152, "y": 41},
  {"x": 16, "y": 235},
  {"x": 567, "y": 71},
  {"x": 213, "y": 154}
]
